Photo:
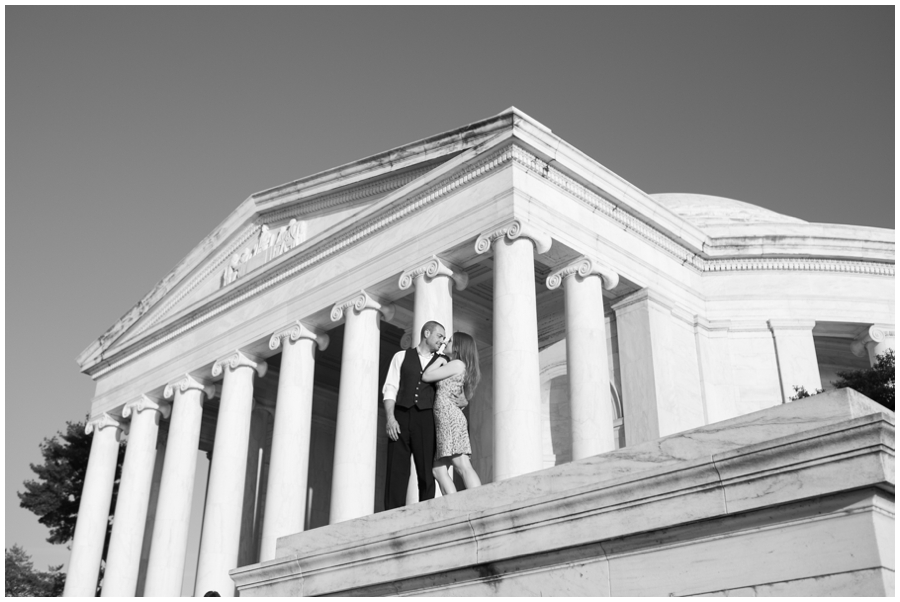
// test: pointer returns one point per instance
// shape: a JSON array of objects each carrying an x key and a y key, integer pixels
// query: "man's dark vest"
[{"x": 412, "y": 391}]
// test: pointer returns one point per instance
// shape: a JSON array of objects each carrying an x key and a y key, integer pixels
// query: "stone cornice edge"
[{"x": 511, "y": 152}]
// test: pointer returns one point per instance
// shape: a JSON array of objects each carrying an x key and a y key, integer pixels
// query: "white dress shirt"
[{"x": 392, "y": 381}]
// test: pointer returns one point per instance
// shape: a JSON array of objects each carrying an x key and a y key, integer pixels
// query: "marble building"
[{"x": 607, "y": 320}]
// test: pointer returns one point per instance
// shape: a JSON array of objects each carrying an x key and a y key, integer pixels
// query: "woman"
[{"x": 456, "y": 382}]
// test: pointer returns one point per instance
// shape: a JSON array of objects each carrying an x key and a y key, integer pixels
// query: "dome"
[{"x": 703, "y": 210}]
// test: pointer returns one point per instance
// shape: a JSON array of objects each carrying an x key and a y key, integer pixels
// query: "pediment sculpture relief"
[{"x": 270, "y": 244}]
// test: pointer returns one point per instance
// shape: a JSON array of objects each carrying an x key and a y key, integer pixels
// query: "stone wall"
[{"x": 796, "y": 499}]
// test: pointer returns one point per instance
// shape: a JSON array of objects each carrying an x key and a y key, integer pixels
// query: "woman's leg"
[
  {"x": 464, "y": 466},
  {"x": 442, "y": 476}
]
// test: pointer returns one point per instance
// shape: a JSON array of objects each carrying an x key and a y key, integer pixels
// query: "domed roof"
[{"x": 703, "y": 210}]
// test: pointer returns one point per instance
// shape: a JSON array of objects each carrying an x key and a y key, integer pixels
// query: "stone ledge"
[{"x": 815, "y": 447}]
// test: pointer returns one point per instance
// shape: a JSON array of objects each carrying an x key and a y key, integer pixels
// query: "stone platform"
[{"x": 797, "y": 499}]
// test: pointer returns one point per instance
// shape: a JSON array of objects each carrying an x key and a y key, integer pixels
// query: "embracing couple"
[{"x": 424, "y": 393}]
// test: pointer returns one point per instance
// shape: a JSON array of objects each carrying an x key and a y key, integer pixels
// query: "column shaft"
[
  {"x": 795, "y": 351},
  {"x": 220, "y": 539},
  {"x": 517, "y": 396},
  {"x": 165, "y": 569},
  {"x": 353, "y": 477},
  {"x": 124, "y": 558},
  {"x": 289, "y": 467},
  {"x": 93, "y": 512},
  {"x": 588, "y": 368},
  {"x": 433, "y": 301}
]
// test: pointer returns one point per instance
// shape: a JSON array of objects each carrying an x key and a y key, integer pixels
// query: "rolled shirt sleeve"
[{"x": 392, "y": 381}]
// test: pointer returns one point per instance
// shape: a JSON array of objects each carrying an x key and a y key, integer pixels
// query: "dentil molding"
[{"x": 491, "y": 162}]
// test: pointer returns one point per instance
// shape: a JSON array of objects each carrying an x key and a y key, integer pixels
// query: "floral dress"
[{"x": 450, "y": 424}]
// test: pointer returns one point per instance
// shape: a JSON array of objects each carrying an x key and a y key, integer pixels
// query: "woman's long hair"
[{"x": 464, "y": 349}]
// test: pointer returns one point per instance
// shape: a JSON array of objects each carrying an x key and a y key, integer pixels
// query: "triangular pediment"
[{"x": 271, "y": 225}]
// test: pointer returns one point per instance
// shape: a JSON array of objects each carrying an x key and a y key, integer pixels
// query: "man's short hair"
[{"x": 429, "y": 326}]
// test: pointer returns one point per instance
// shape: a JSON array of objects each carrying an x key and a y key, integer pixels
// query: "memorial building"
[{"x": 639, "y": 353}]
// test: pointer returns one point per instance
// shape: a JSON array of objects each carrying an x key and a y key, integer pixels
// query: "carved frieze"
[{"x": 268, "y": 245}]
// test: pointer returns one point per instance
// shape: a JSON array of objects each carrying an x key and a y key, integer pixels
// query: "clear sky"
[{"x": 131, "y": 133}]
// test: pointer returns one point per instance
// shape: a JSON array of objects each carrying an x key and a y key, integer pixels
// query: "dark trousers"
[{"x": 416, "y": 437}]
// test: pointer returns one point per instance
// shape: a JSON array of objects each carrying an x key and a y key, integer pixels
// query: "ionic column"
[
  {"x": 165, "y": 568},
  {"x": 517, "y": 387},
  {"x": 220, "y": 538},
  {"x": 875, "y": 340},
  {"x": 124, "y": 558},
  {"x": 353, "y": 477},
  {"x": 587, "y": 361},
  {"x": 93, "y": 512},
  {"x": 433, "y": 280},
  {"x": 795, "y": 353},
  {"x": 289, "y": 466}
]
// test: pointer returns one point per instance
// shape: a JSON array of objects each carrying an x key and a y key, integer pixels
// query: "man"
[{"x": 408, "y": 406}]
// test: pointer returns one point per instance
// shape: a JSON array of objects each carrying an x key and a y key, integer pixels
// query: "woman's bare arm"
[{"x": 442, "y": 369}]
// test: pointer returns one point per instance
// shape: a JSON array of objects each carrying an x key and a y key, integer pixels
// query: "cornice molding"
[
  {"x": 146, "y": 403},
  {"x": 432, "y": 268},
  {"x": 238, "y": 359},
  {"x": 187, "y": 383},
  {"x": 781, "y": 324},
  {"x": 358, "y": 193},
  {"x": 219, "y": 260},
  {"x": 303, "y": 208},
  {"x": 513, "y": 230},
  {"x": 309, "y": 257},
  {"x": 295, "y": 331},
  {"x": 584, "y": 266},
  {"x": 361, "y": 301},
  {"x": 801, "y": 264}
]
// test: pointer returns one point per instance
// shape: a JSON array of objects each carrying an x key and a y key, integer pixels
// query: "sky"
[{"x": 131, "y": 133}]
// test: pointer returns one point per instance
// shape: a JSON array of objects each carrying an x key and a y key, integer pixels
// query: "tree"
[
  {"x": 22, "y": 580},
  {"x": 55, "y": 495},
  {"x": 876, "y": 383}
]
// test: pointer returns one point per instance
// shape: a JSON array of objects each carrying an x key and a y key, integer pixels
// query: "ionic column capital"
[
  {"x": 513, "y": 230},
  {"x": 188, "y": 382},
  {"x": 432, "y": 268},
  {"x": 146, "y": 403},
  {"x": 238, "y": 359},
  {"x": 296, "y": 331},
  {"x": 103, "y": 421},
  {"x": 876, "y": 333},
  {"x": 584, "y": 266},
  {"x": 361, "y": 301}
]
